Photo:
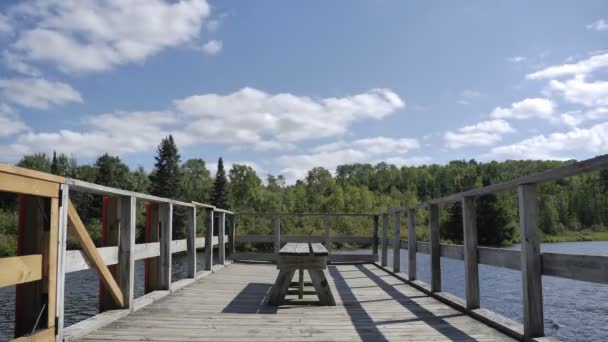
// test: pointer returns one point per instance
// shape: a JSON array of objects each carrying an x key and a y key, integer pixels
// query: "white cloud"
[
  {"x": 10, "y": 123},
  {"x": 526, "y": 109},
  {"x": 37, "y": 93},
  {"x": 251, "y": 116},
  {"x": 579, "y": 91},
  {"x": 598, "y": 25},
  {"x": 484, "y": 133},
  {"x": 5, "y": 25},
  {"x": 116, "y": 133},
  {"x": 516, "y": 59},
  {"x": 555, "y": 145},
  {"x": 577, "y": 117},
  {"x": 98, "y": 35},
  {"x": 212, "y": 47},
  {"x": 14, "y": 62},
  {"x": 583, "y": 67},
  {"x": 368, "y": 150}
]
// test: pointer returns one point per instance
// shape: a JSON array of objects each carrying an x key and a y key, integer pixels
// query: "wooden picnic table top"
[{"x": 304, "y": 249}]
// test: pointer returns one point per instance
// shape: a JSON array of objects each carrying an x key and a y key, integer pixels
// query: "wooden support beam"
[
  {"x": 49, "y": 255},
  {"x": 411, "y": 244},
  {"x": 25, "y": 185},
  {"x": 191, "y": 241},
  {"x": 209, "y": 239},
  {"x": 384, "y": 239},
  {"x": 277, "y": 233},
  {"x": 232, "y": 236},
  {"x": 221, "y": 231},
  {"x": 471, "y": 267},
  {"x": 165, "y": 211},
  {"x": 375, "y": 243},
  {"x": 110, "y": 236},
  {"x": 62, "y": 230},
  {"x": 435, "y": 248},
  {"x": 30, "y": 297},
  {"x": 153, "y": 235},
  {"x": 95, "y": 259},
  {"x": 327, "y": 223},
  {"x": 20, "y": 269},
  {"x": 531, "y": 280},
  {"x": 46, "y": 335},
  {"x": 126, "y": 249},
  {"x": 397, "y": 243}
]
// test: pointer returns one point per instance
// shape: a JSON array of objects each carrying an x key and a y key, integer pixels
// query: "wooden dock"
[{"x": 230, "y": 305}]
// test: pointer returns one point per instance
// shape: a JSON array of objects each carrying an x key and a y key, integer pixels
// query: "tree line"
[{"x": 575, "y": 204}]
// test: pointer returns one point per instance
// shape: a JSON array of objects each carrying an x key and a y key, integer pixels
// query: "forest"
[{"x": 570, "y": 209}]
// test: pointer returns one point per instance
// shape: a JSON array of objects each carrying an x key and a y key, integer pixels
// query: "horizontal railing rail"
[
  {"x": 529, "y": 261},
  {"x": 47, "y": 213}
]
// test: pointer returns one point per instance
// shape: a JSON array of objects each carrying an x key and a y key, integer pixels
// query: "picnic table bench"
[{"x": 293, "y": 257}]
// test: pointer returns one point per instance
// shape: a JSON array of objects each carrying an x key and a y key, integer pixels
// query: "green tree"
[
  {"x": 219, "y": 196},
  {"x": 195, "y": 181},
  {"x": 548, "y": 218},
  {"x": 165, "y": 178},
  {"x": 245, "y": 189},
  {"x": 451, "y": 228},
  {"x": 36, "y": 161},
  {"x": 494, "y": 224},
  {"x": 111, "y": 171}
]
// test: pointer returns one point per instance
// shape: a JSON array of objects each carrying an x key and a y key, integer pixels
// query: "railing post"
[
  {"x": 277, "y": 233},
  {"x": 232, "y": 236},
  {"x": 531, "y": 280},
  {"x": 221, "y": 254},
  {"x": 327, "y": 234},
  {"x": 61, "y": 251},
  {"x": 411, "y": 244},
  {"x": 166, "y": 233},
  {"x": 471, "y": 267},
  {"x": 126, "y": 249},
  {"x": 384, "y": 239},
  {"x": 435, "y": 248},
  {"x": 111, "y": 227},
  {"x": 191, "y": 241},
  {"x": 209, "y": 213},
  {"x": 375, "y": 243},
  {"x": 397, "y": 243}
]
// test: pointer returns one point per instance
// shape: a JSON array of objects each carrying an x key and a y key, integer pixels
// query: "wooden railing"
[
  {"x": 328, "y": 239},
  {"x": 46, "y": 212},
  {"x": 529, "y": 261}
]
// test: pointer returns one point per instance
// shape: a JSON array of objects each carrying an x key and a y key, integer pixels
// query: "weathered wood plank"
[
  {"x": 435, "y": 249},
  {"x": 276, "y": 219},
  {"x": 326, "y": 297},
  {"x": 209, "y": 214},
  {"x": 20, "y": 269},
  {"x": 499, "y": 257},
  {"x": 327, "y": 223},
  {"x": 126, "y": 249},
  {"x": 411, "y": 246},
  {"x": 531, "y": 280},
  {"x": 221, "y": 251},
  {"x": 471, "y": 268},
  {"x": 452, "y": 251},
  {"x": 93, "y": 256},
  {"x": 384, "y": 260},
  {"x": 375, "y": 237},
  {"x": 318, "y": 249},
  {"x": 592, "y": 268},
  {"x": 191, "y": 242},
  {"x": 397, "y": 243},
  {"x": 25, "y": 185},
  {"x": 165, "y": 211}
]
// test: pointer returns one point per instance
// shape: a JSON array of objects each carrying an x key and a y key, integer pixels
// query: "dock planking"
[{"x": 230, "y": 305}]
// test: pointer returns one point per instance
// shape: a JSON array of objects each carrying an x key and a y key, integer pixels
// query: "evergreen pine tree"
[
  {"x": 54, "y": 166},
  {"x": 493, "y": 220},
  {"x": 219, "y": 197},
  {"x": 451, "y": 229},
  {"x": 164, "y": 178}
]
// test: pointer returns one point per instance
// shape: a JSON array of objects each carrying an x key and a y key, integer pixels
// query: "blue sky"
[{"x": 286, "y": 86}]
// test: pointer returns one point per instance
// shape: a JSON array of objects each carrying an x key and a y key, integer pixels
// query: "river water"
[{"x": 574, "y": 310}]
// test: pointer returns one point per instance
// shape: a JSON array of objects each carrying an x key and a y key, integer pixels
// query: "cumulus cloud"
[
  {"x": 368, "y": 150},
  {"x": 37, "y": 92},
  {"x": 10, "y": 123},
  {"x": 5, "y": 25},
  {"x": 556, "y": 145},
  {"x": 582, "y": 67},
  {"x": 598, "y": 25},
  {"x": 98, "y": 35},
  {"x": 251, "y": 116},
  {"x": 484, "y": 133},
  {"x": 580, "y": 91},
  {"x": 212, "y": 47},
  {"x": 526, "y": 109}
]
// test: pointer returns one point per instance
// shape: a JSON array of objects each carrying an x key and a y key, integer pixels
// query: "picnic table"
[{"x": 293, "y": 257}]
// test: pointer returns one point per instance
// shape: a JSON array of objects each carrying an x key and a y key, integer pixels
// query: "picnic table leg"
[
  {"x": 301, "y": 284},
  {"x": 322, "y": 287},
  {"x": 281, "y": 285}
]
